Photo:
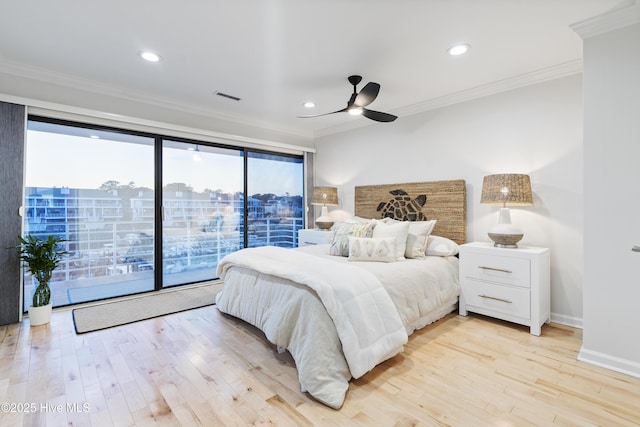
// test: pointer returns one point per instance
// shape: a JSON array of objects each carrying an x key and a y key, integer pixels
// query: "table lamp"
[
  {"x": 506, "y": 190},
  {"x": 324, "y": 196}
]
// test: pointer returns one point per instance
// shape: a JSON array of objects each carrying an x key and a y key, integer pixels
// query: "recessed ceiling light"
[
  {"x": 458, "y": 49},
  {"x": 150, "y": 56},
  {"x": 309, "y": 104},
  {"x": 94, "y": 137}
]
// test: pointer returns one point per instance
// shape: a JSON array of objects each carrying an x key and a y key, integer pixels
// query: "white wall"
[
  {"x": 535, "y": 130},
  {"x": 612, "y": 199}
]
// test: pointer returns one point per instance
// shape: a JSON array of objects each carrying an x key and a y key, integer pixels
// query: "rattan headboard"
[{"x": 444, "y": 201}]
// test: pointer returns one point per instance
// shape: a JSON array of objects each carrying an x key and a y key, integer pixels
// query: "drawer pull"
[
  {"x": 310, "y": 243},
  {"x": 496, "y": 299},
  {"x": 502, "y": 270}
]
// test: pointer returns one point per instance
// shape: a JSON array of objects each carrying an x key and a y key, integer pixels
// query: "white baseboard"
[
  {"x": 627, "y": 367},
  {"x": 574, "y": 322}
]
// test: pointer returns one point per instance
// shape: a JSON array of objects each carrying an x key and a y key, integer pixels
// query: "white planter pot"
[{"x": 40, "y": 315}]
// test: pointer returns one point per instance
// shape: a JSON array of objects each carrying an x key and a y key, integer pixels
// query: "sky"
[{"x": 58, "y": 160}]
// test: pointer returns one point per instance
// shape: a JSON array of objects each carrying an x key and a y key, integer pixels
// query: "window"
[
  {"x": 275, "y": 205},
  {"x": 84, "y": 186},
  {"x": 203, "y": 205},
  {"x": 96, "y": 188}
]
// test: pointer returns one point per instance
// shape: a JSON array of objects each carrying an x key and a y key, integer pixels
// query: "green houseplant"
[{"x": 41, "y": 257}]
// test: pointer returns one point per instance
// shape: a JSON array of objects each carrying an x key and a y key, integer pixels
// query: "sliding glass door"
[
  {"x": 275, "y": 205},
  {"x": 93, "y": 188},
  {"x": 141, "y": 212},
  {"x": 202, "y": 199}
]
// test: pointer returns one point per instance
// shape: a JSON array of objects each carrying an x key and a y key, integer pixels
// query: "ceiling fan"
[{"x": 359, "y": 101}]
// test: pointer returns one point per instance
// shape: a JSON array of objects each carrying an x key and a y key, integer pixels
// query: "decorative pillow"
[
  {"x": 441, "y": 246},
  {"x": 398, "y": 230},
  {"x": 419, "y": 232},
  {"x": 372, "y": 249},
  {"x": 342, "y": 231}
]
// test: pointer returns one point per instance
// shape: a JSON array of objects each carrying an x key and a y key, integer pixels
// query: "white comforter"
[
  {"x": 315, "y": 305},
  {"x": 365, "y": 318}
]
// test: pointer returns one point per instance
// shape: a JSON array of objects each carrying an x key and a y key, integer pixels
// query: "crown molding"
[
  {"x": 74, "y": 82},
  {"x": 625, "y": 14},
  {"x": 66, "y": 112},
  {"x": 539, "y": 76}
]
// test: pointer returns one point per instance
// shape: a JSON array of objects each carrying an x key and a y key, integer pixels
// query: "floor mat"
[{"x": 142, "y": 307}]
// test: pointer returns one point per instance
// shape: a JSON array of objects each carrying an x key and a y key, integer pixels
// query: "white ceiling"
[{"x": 276, "y": 55}]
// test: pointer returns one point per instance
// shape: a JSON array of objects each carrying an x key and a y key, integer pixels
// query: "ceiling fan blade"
[
  {"x": 323, "y": 114},
  {"x": 378, "y": 116},
  {"x": 367, "y": 95}
]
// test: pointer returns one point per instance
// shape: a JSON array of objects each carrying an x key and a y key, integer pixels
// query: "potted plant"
[{"x": 40, "y": 257}]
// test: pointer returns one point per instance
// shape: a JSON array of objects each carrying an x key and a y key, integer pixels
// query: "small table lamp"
[
  {"x": 325, "y": 196},
  {"x": 506, "y": 190}
]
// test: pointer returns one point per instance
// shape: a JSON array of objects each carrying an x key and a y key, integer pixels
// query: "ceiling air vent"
[{"x": 224, "y": 95}]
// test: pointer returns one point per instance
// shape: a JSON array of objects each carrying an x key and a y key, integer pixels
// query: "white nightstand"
[
  {"x": 308, "y": 237},
  {"x": 508, "y": 284}
]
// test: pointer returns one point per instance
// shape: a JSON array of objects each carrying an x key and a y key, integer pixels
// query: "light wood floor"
[{"x": 202, "y": 368}]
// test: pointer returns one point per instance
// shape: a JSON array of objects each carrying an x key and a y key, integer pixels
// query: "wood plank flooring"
[{"x": 202, "y": 368}]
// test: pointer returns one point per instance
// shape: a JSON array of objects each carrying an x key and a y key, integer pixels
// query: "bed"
[{"x": 337, "y": 314}]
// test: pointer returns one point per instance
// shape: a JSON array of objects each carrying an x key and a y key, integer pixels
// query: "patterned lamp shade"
[
  {"x": 506, "y": 190},
  {"x": 325, "y": 196}
]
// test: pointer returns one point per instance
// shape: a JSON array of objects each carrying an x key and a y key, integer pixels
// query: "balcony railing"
[{"x": 109, "y": 255}]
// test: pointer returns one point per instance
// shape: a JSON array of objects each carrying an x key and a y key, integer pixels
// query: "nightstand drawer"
[
  {"x": 503, "y": 269},
  {"x": 308, "y": 237},
  {"x": 502, "y": 299}
]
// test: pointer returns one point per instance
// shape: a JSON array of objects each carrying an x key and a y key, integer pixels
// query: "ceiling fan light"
[
  {"x": 458, "y": 49},
  {"x": 355, "y": 111}
]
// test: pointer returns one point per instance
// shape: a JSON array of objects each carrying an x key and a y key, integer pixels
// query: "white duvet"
[{"x": 337, "y": 318}]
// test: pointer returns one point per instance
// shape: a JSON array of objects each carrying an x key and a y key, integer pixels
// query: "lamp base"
[
  {"x": 324, "y": 221},
  {"x": 324, "y": 225},
  {"x": 504, "y": 234},
  {"x": 505, "y": 240}
]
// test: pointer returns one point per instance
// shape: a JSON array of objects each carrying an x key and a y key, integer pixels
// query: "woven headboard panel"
[{"x": 444, "y": 201}]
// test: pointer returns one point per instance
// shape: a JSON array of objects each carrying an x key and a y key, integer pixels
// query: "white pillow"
[
  {"x": 419, "y": 232},
  {"x": 398, "y": 230},
  {"x": 417, "y": 238},
  {"x": 441, "y": 246},
  {"x": 342, "y": 231},
  {"x": 372, "y": 249}
]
